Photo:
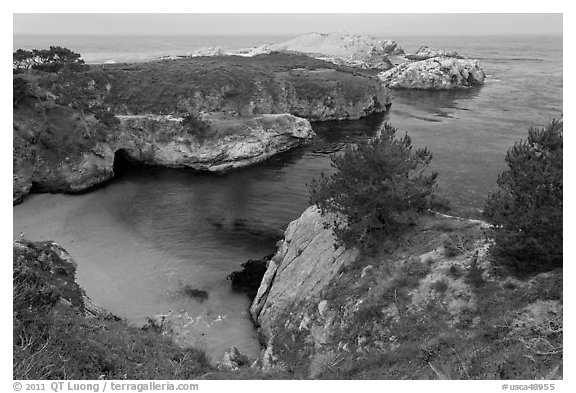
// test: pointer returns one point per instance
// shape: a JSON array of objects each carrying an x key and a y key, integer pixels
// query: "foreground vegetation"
[
  {"x": 379, "y": 186},
  {"x": 57, "y": 335},
  {"x": 441, "y": 303},
  {"x": 527, "y": 208}
]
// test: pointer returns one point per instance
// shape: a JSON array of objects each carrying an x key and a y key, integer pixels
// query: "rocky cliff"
[
  {"x": 438, "y": 73},
  {"x": 230, "y": 142},
  {"x": 66, "y": 128},
  {"x": 435, "y": 308},
  {"x": 353, "y": 50}
]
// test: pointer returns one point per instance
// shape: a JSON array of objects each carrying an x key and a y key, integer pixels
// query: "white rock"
[{"x": 435, "y": 74}]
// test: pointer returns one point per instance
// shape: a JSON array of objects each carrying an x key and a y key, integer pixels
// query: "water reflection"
[{"x": 442, "y": 103}]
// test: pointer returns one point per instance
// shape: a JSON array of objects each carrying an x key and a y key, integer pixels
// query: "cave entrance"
[{"x": 123, "y": 163}]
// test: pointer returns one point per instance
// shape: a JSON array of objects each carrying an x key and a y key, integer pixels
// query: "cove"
[{"x": 146, "y": 239}]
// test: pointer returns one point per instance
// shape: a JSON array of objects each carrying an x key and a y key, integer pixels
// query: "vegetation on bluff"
[
  {"x": 54, "y": 339},
  {"x": 438, "y": 305},
  {"x": 275, "y": 83}
]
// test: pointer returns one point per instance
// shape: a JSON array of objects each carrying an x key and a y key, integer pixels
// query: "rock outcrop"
[
  {"x": 303, "y": 266},
  {"x": 425, "y": 53},
  {"x": 208, "y": 51},
  {"x": 164, "y": 142},
  {"x": 153, "y": 140},
  {"x": 66, "y": 132},
  {"x": 340, "y": 48},
  {"x": 327, "y": 312},
  {"x": 438, "y": 73}
]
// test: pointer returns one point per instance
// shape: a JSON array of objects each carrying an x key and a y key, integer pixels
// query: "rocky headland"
[
  {"x": 327, "y": 312},
  {"x": 68, "y": 128},
  {"x": 156, "y": 140}
]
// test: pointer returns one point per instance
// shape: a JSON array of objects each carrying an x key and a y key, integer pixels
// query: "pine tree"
[
  {"x": 378, "y": 187},
  {"x": 527, "y": 209}
]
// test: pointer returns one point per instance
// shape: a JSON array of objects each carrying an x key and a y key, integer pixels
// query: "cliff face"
[
  {"x": 66, "y": 131},
  {"x": 304, "y": 265},
  {"x": 325, "y": 312},
  {"x": 149, "y": 139}
]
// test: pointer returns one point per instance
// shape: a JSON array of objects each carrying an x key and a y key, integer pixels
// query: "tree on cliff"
[
  {"x": 54, "y": 59},
  {"x": 526, "y": 211},
  {"x": 378, "y": 188}
]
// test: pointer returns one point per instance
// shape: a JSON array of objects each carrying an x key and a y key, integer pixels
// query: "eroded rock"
[{"x": 438, "y": 73}]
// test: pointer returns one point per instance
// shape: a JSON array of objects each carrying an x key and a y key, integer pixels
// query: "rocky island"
[{"x": 436, "y": 73}]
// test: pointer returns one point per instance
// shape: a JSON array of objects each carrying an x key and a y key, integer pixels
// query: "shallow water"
[
  {"x": 147, "y": 235},
  {"x": 143, "y": 238}
]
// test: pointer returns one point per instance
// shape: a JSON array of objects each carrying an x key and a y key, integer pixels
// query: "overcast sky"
[{"x": 286, "y": 24}]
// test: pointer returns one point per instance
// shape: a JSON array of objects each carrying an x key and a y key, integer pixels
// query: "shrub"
[
  {"x": 440, "y": 286},
  {"x": 456, "y": 244},
  {"x": 196, "y": 126},
  {"x": 526, "y": 211},
  {"x": 20, "y": 90},
  {"x": 378, "y": 188},
  {"x": 106, "y": 116}
]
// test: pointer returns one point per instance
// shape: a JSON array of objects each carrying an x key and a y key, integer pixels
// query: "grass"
[
  {"x": 502, "y": 331},
  {"x": 53, "y": 339},
  {"x": 228, "y": 83}
]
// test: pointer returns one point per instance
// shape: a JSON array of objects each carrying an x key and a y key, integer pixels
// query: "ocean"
[{"x": 147, "y": 234}]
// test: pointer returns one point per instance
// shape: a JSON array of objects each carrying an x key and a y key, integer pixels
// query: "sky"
[{"x": 285, "y": 24}]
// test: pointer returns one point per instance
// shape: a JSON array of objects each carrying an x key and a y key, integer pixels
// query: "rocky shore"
[
  {"x": 326, "y": 312},
  {"x": 68, "y": 128}
]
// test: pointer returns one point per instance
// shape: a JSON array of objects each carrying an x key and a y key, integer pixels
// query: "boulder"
[
  {"x": 437, "y": 73},
  {"x": 233, "y": 359},
  {"x": 249, "y": 278}
]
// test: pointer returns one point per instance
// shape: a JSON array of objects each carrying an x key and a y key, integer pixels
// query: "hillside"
[
  {"x": 59, "y": 334},
  {"x": 433, "y": 308}
]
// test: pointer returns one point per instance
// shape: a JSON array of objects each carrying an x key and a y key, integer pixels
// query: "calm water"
[{"x": 148, "y": 234}]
